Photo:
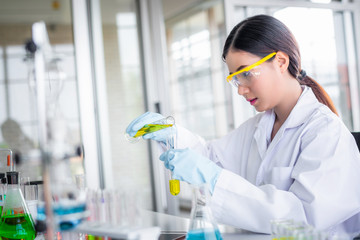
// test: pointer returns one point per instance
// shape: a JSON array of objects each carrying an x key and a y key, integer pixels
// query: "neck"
[{"x": 288, "y": 102}]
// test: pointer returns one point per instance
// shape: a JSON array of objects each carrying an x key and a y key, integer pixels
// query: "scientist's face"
[{"x": 261, "y": 86}]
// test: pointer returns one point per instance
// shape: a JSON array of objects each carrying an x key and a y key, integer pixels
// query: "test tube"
[
  {"x": 151, "y": 127},
  {"x": 174, "y": 184}
]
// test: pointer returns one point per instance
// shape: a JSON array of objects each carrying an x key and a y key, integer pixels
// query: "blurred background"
[{"x": 120, "y": 58}]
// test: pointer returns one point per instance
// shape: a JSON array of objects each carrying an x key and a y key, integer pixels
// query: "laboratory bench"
[
  {"x": 167, "y": 227},
  {"x": 173, "y": 227}
]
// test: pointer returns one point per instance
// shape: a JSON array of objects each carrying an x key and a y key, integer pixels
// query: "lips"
[{"x": 252, "y": 101}]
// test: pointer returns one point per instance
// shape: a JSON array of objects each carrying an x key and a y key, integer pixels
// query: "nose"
[{"x": 242, "y": 90}]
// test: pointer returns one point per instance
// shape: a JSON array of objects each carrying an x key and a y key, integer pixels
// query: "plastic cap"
[
  {"x": 12, "y": 177},
  {"x": 2, "y": 178}
]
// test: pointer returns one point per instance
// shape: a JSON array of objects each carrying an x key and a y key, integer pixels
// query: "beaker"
[
  {"x": 174, "y": 184},
  {"x": 202, "y": 223},
  {"x": 151, "y": 127},
  {"x": 16, "y": 221}
]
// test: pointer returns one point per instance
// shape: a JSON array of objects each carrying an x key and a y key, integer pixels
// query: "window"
[
  {"x": 196, "y": 70},
  {"x": 199, "y": 92},
  {"x": 130, "y": 164}
]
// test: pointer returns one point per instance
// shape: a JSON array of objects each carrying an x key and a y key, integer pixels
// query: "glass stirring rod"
[{"x": 174, "y": 184}]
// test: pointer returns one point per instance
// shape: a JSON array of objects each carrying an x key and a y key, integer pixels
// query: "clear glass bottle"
[
  {"x": 16, "y": 221},
  {"x": 151, "y": 127},
  {"x": 202, "y": 223}
]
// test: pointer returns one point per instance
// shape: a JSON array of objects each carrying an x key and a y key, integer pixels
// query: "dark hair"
[{"x": 261, "y": 35}]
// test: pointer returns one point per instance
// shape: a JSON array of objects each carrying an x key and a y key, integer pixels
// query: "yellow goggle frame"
[{"x": 228, "y": 78}]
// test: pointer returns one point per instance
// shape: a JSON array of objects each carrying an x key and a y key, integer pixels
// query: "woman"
[{"x": 294, "y": 160}]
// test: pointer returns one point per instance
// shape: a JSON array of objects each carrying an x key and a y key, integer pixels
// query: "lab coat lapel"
[
  {"x": 300, "y": 113},
  {"x": 261, "y": 132},
  {"x": 258, "y": 152}
]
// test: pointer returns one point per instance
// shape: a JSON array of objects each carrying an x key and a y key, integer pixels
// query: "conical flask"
[
  {"x": 16, "y": 221},
  {"x": 202, "y": 223}
]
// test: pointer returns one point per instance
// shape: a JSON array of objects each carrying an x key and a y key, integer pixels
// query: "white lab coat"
[{"x": 309, "y": 172}]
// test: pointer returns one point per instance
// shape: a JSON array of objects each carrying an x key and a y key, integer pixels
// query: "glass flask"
[
  {"x": 151, "y": 127},
  {"x": 202, "y": 223},
  {"x": 16, "y": 221}
]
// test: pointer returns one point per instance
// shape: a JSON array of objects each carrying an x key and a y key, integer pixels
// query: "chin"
[{"x": 261, "y": 109}]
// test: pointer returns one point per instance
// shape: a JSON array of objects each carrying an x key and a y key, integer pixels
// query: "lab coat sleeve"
[
  {"x": 238, "y": 203},
  {"x": 323, "y": 194}
]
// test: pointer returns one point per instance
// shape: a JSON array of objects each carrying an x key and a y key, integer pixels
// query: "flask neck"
[
  {"x": 202, "y": 221},
  {"x": 13, "y": 186},
  {"x": 200, "y": 208},
  {"x": 201, "y": 196}
]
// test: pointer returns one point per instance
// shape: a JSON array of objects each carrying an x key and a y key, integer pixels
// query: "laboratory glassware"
[
  {"x": 174, "y": 184},
  {"x": 202, "y": 224},
  {"x": 278, "y": 227},
  {"x": 2, "y": 191},
  {"x": 10, "y": 160},
  {"x": 69, "y": 202},
  {"x": 16, "y": 221},
  {"x": 151, "y": 127}
]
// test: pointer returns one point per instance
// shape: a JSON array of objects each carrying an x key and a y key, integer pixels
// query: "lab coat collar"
[{"x": 304, "y": 107}]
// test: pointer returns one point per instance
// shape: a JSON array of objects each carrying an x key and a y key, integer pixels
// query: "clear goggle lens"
[{"x": 245, "y": 78}]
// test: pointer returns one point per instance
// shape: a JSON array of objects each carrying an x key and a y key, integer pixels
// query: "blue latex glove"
[
  {"x": 190, "y": 166},
  {"x": 147, "y": 118}
]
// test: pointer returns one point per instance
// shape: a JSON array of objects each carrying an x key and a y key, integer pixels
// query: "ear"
[{"x": 282, "y": 61}]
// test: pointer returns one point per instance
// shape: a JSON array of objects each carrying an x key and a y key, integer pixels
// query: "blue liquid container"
[
  {"x": 204, "y": 234},
  {"x": 202, "y": 224},
  {"x": 66, "y": 218}
]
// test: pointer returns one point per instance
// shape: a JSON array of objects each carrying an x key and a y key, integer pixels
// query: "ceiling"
[
  {"x": 30, "y": 11},
  {"x": 59, "y": 11}
]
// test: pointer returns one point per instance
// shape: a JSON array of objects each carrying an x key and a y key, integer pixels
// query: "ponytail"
[{"x": 318, "y": 90}]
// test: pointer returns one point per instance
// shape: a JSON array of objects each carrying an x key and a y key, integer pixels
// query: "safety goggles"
[{"x": 243, "y": 77}]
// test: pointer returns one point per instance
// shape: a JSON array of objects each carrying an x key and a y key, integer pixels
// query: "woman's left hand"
[{"x": 190, "y": 166}]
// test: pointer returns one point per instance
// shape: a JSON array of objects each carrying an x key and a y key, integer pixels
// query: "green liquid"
[
  {"x": 18, "y": 226},
  {"x": 149, "y": 128},
  {"x": 92, "y": 237}
]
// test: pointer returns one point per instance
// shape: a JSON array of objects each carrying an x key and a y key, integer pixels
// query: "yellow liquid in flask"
[
  {"x": 149, "y": 128},
  {"x": 174, "y": 186}
]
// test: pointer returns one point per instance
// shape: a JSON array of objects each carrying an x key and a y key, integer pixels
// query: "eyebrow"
[{"x": 239, "y": 68}]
